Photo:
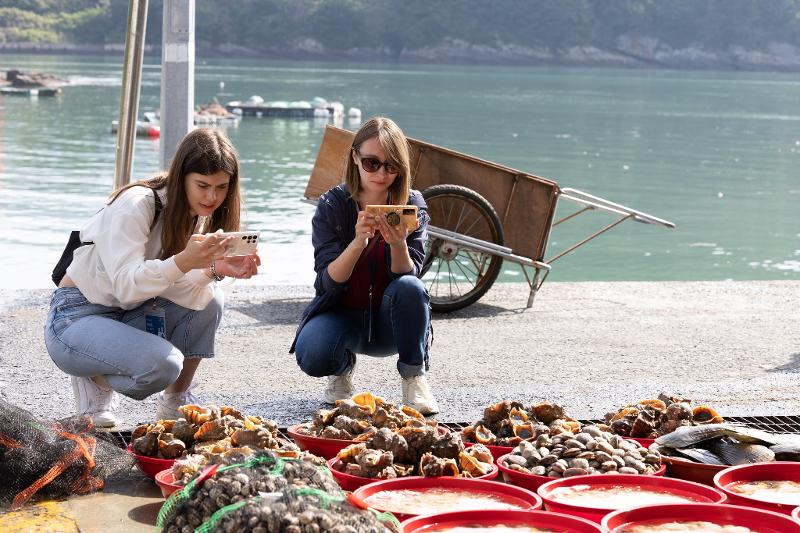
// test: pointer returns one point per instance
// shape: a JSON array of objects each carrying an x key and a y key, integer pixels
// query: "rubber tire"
[{"x": 442, "y": 305}]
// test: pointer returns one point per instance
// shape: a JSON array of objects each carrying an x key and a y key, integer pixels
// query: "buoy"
[
  {"x": 221, "y": 85},
  {"x": 153, "y": 132}
]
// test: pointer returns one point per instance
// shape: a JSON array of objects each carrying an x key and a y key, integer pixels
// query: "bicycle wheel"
[{"x": 456, "y": 276}]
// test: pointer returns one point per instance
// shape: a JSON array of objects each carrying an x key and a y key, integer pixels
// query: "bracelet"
[{"x": 214, "y": 274}]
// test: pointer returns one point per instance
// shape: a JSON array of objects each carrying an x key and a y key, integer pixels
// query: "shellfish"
[
  {"x": 432, "y": 466},
  {"x": 196, "y": 414},
  {"x": 704, "y": 414}
]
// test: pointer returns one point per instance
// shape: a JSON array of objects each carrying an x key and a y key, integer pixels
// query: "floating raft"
[
  {"x": 255, "y": 106},
  {"x": 32, "y": 92}
]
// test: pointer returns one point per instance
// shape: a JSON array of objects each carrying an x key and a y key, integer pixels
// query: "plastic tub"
[
  {"x": 533, "y": 482},
  {"x": 757, "y": 519},
  {"x": 327, "y": 448},
  {"x": 323, "y": 447},
  {"x": 518, "y": 497},
  {"x": 546, "y": 520},
  {"x": 691, "y": 471},
  {"x": 644, "y": 442},
  {"x": 688, "y": 489},
  {"x": 151, "y": 465},
  {"x": 351, "y": 482},
  {"x": 166, "y": 482},
  {"x": 779, "y": 470},
  {"x": 496, "y": 451}
]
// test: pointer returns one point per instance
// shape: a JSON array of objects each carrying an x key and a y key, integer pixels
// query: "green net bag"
[
  {"x": 298, "y": 510},
  {"x": 218, "y": 486}
]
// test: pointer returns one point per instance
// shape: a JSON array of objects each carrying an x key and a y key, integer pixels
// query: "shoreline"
[
  {"x": 465, "y": 54},
  {"x": 590, "y": 346}
]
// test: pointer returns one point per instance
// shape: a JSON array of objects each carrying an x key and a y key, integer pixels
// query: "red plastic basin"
[
  {"x": 723, "y": 515},
  {"x": 351, "y": 482},
  {"x": 476, "y": 519},
  {"x": 533, "y": 482},
  {"x": 327, "y": 448},
  {"x": 688, "y": 489},
  {"x": 691, "y": 471},
  {"x": 644, "y": 442},
  {"x": 322, "y": 447},
  {"x": 518, "y": 497},
  {"x": 166, "y": 482},
  {"x": 496, "y": 451},
  {"x": 151, "y": 465},
  {"x": 778, "y": 470}
]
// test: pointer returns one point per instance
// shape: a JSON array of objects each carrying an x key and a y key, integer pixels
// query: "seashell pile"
[
  {"x": 414, "y": 450},
  {"x": 273, "y": 498},
  {"x": 591, "y": 451},
  {"x": 507, "y": 423},
  {"x": 655, "y": 417},
  {"x": 208, "y": 430},
  {"x": 359, "y": 417}
]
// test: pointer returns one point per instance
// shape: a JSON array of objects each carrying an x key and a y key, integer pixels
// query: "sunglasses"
[{"x": 372, "y": 164}]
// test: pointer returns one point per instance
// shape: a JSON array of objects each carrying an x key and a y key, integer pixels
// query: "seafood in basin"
[
  {"x": 727, "y": 444},
  {"x": 652, "y": 418},
  {"x": 507, "y": 423},
  {"x": 413, "y": 451},
  {"x": 590, "y": 451},
  {"x": 208, "y": 430},
  {"x": 360, "y": 417}
]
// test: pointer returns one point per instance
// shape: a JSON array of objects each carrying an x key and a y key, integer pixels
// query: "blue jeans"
[
  {"x": 86, "y": 339},
  {"x": 327, "y": 343}
]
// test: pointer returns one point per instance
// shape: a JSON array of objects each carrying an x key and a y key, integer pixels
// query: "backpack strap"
[{"x": 159, "y": 206}]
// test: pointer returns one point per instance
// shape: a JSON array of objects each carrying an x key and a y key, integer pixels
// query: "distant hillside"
[{"x": 737, "y": 34}]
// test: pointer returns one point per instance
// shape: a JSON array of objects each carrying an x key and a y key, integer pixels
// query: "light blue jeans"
[{"x": 86, "y": 339}]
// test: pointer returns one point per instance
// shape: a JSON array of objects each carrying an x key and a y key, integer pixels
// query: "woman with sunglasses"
[
  {"x": 137, "y": 309},
  {"x": 369, "y": 298}
]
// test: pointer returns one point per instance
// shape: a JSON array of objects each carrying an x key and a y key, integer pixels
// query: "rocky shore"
[{"x": 628, "y": 52}]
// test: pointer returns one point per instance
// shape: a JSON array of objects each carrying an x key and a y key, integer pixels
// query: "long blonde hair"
[
  {"x": 398, "y": 153},
  {"x": 205, "y": 152}
]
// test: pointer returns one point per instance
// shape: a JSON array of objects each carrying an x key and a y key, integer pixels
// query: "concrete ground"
[{"x": 589, "y": 346}]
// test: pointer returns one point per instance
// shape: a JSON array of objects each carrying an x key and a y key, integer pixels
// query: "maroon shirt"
[{"x": 357, "y": 294}]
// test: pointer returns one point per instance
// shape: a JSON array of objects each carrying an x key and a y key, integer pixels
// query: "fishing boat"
[{"x": 255, "y": 106}]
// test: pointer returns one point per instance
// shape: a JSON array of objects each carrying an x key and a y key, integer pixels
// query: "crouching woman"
[
  {"x": 138, "y": 308},
  {"x": 369, "y": 298}
]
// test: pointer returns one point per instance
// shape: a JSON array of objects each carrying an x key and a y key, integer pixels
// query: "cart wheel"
[{"x": 457, "y": 277}]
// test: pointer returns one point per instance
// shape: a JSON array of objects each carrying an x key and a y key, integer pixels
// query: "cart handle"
[{"x": 596, "y": 202}]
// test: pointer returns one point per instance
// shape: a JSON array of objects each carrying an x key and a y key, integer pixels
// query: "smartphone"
[
  {"x": 396, "y": 214},
  {"x": 243, "y": 242}
]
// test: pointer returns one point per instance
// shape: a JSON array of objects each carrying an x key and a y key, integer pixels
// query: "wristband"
[{"x": 214, "y": 274}]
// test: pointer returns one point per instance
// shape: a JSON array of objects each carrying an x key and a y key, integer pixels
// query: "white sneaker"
[
  {"x": 417, "y": 394},
  {"x": 167, "y": 403},
  {"x": 340, "y": 387},
  {"x": 94, "y": 402}
]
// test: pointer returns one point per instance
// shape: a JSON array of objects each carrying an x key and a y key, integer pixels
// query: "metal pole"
[
  {"x": 131, "y": 81},
  {"x": 177, "y": 76}
]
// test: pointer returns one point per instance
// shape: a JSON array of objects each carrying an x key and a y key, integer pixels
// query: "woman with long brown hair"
[
  {"x": 369, "y": 298},
  {"x": 138, "y": 307}
]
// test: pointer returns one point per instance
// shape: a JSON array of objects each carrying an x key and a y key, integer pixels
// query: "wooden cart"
[{"x": 481, "y": 214}]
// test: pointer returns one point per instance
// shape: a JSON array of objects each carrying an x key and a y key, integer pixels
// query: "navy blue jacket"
[{"x": 333, "y": 228}]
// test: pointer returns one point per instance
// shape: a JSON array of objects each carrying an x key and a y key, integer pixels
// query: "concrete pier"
[{"x": 590, "y": 346}]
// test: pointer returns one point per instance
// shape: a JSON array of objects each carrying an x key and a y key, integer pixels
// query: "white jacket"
[{"x": 122, "y": 269}]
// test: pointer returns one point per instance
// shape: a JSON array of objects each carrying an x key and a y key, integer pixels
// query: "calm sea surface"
[{"x": 716, "y": 153}]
